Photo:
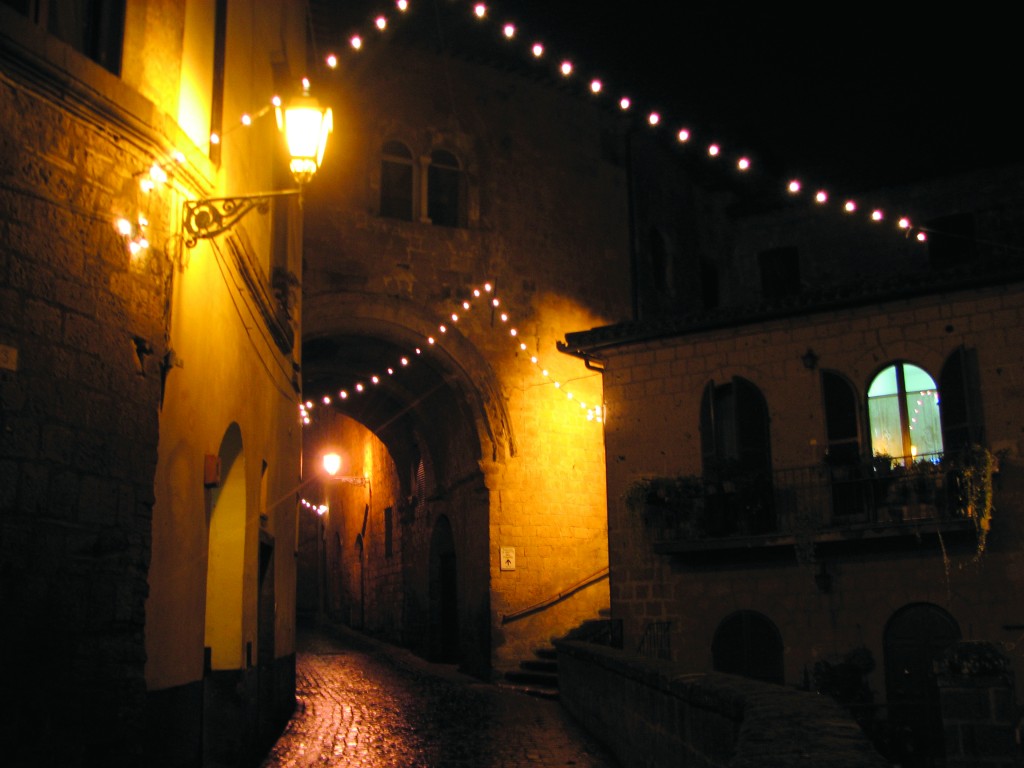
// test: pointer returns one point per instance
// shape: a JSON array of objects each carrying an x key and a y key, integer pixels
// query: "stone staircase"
[{"x": 538, "y": 676}]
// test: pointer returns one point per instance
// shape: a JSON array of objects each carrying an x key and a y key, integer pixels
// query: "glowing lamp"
[
  {"x": 306, "y": 126},
  {"x": 332, "y": 463}
]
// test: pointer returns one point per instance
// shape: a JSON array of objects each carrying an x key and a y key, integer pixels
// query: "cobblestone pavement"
[{"x": 368, "y": 705}]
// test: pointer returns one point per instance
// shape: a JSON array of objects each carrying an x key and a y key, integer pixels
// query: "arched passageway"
[{"x": 415, "y": 501}]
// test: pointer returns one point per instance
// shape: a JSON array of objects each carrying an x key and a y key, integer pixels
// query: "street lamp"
[
  {"x": 305, "y": 126},
  {"x": 332, "y": 465}
]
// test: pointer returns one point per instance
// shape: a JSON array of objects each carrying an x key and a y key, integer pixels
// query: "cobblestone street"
[{"x": 370, "y": 705}]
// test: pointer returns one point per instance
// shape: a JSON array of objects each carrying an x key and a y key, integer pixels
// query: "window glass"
[
  {"x": 396, "y": 181},
  {"x": 92, "y": 27},
  {"x": 903, "y": 408},
  {"x": 962, "y": 422},
  {"x": 840, "y": 419},
  {"x": 443, "y": 182}
]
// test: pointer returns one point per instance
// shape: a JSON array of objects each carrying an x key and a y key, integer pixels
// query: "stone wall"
[
  {"x": 653, "y": 390},
  {"x": 80, "y": 332},
  {"x": 656, "y": 713},
  {"x": 979, "y": 709},
  {"x": 510, "y": 460}
]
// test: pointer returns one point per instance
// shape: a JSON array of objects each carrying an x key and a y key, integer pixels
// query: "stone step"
[{"x": 547, "y": 666}]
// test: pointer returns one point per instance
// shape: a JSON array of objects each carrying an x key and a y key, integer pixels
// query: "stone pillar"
[{"x": 979, "y": 713}]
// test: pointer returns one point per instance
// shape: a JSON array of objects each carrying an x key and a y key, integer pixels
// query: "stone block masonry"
[
  {"x": 78, "y": 430},
  {"x": 652, "y": 713}
]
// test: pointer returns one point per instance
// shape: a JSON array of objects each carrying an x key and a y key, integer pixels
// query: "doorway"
[
  {"x": 444, "y": 602},
  {"x": 915, "y": 637}
]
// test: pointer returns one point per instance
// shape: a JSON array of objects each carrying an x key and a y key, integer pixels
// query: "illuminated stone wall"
[{"x": 512, "y": 461}]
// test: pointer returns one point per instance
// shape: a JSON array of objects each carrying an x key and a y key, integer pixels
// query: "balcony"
[{"x": 885, "y": 503}]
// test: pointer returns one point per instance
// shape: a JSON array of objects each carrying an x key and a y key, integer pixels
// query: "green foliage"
[{"x": 975, "y": 490}]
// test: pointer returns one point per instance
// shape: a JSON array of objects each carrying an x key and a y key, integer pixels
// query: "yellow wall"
[{"x": 227, "y": 374}]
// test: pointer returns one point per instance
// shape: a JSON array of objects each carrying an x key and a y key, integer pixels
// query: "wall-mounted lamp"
[
  {"x": 809, "y": 359},
  {"x": 305, "y": 126},
  {"x": 332, "y": 465}
]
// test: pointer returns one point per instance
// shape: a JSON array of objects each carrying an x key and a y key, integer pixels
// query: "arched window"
[
  {"x": 735, "y": 448},
  {"x": 396, "y": 181},
  {"x": 843, "y": 445},
  {"x": 903, "y": 409},
  {"x": 962, "y": 422},
  {"x": 840, "y": 419},
  {"x": 748, "y": 643},
  {"x": 444, "y": 181}
]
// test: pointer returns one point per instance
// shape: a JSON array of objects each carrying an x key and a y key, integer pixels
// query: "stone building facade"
[
  {"x": 796, "y": 476},
  {"x": 494, "y": 204},
  {"x": 149, "y": 443}
]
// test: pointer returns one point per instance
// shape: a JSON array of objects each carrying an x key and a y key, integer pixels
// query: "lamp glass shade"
[
  {"x": 332, "y": 463},
  {"x": 306, "y": 126}
]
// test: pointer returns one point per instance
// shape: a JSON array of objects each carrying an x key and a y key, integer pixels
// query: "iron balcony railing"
[{"x": 886, "y": 492}]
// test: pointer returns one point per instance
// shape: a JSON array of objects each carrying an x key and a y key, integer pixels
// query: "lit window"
[{"x": 903, "y": 410}]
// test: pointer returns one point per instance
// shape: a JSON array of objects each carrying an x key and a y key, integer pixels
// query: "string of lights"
[
  {"x": 134, "y": 229},
  {"x": 486, "y": 294},
  {"x": 683, "y": 135}
]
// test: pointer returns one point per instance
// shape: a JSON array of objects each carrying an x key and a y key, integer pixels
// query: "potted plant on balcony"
[{"x": 673, "y": 506}]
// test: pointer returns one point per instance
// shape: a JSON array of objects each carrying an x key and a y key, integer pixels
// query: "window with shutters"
[
  {"x": 735, "y": 448},
  {"x": 960, "y": 406}
]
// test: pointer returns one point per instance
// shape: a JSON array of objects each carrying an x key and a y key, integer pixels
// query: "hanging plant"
[
  {"x": 975, "y": 490},
  {"x": 670, "y": 503}
]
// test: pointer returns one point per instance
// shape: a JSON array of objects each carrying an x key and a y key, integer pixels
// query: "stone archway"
[{"x": 442, "y": 418}]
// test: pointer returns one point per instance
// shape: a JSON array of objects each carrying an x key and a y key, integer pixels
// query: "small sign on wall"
[{"x": 508, "y": 558}]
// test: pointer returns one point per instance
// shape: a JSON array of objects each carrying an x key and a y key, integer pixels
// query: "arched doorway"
[
  {"x": 444, "y": 603},
  {"x": 915, "y": 637},
  {"x": 223, "y": 716},
  {"x": 748, "y": 643}
]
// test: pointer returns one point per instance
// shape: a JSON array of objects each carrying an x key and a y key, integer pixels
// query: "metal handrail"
[{"x": 556, "y": 598}]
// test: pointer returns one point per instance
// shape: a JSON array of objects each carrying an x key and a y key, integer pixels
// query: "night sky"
[
  {"x": 848, "y": 97},
  {"x": 853, "y": 94}
]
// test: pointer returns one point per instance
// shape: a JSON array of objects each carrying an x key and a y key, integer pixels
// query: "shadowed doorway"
[{"x": 444, "y": 605}]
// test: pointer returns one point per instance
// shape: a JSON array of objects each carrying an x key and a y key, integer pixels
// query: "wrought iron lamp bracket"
[{"x": 204, "y": 219}]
